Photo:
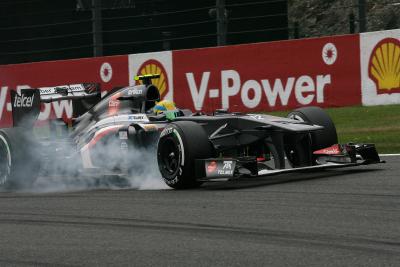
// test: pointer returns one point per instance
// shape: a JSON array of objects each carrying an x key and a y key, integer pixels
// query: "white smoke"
[
  {"x": 66, "y": 175},
  {"x": 146, "y": 175}
]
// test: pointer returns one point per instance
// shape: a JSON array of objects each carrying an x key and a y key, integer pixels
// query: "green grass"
[{"x": 378, "y": 124}]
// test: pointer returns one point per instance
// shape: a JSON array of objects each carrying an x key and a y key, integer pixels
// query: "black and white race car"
[{"x": 191, "y": 148}]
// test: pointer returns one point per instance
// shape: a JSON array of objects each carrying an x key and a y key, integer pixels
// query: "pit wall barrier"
[{"x": 328, "y": 72}]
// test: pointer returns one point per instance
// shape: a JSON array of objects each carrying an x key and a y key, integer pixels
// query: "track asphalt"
[{"x": 341, "y": 217}]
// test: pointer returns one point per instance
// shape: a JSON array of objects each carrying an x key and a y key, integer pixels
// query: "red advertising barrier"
[
  {"x": 270, "y": 76},
  {"x": 254, "y": 77},
  {"x": 108, "y": 71}
]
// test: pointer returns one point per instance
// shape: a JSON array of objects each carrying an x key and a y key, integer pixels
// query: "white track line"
[{"x": 389, "y": 155}]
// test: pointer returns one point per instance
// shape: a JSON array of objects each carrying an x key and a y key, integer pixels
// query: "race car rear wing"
[
  {"x": 72, "y": 91},
  {"x": 26, "y": 105}
]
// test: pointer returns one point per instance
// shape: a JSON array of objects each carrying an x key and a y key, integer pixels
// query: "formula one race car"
[{"x": 191, "y": 148}]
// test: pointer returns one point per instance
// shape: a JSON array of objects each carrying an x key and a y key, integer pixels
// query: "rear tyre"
[
  {"x": 18, "y": 166},
  {"x": 180, "y": 144},
  {"x": 316, "y": 115}
]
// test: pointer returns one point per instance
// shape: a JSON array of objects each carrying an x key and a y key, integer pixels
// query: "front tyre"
[
  {"x": 316, "y": 115},
  {"x": 180, "y": 144}
]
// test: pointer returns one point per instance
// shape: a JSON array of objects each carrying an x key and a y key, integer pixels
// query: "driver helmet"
[{"x": 163, "y": 106}]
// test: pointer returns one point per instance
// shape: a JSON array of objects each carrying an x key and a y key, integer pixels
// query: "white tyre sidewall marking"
[
  {"x": 182, "y": 148},
  {"x": 8, "y": 156}
]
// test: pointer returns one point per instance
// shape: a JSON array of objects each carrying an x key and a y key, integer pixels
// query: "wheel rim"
[
  {"x": 170, "y": 157},
  {"x": 5, "y": 161}
]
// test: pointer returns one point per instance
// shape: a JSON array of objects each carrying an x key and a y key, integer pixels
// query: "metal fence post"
[
  {"x": 362, "y": 18},
  {"x": 296, "y": 31},
  {"x": 97, "y": 29},
  {"x": 352, "y": 23},
  {"x": 221, "y": 22},
  {"x": 166, "y": 44}
]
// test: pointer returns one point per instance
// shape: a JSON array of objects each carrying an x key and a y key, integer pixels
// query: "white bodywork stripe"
[
  {"x": 85, "y": 150},
  {"x": 128, "y": 118},
  {"x": 86, "y": 159}
]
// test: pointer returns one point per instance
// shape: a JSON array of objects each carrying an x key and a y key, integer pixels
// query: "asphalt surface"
[{"x": 347, "y": 217}]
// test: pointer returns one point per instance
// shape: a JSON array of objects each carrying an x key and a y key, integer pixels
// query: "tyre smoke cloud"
[{"x": 60, "y": 168}]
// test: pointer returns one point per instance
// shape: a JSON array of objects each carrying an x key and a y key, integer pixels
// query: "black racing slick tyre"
[
  {"x": 18, "y": 166},
  {"x": 316, "y": 115},
  {"x": 180, "y": 144}
]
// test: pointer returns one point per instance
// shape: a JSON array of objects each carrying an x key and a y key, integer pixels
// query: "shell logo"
[
  {"x": 384, "y": 66},
  {"x": 153, "y": 66}
]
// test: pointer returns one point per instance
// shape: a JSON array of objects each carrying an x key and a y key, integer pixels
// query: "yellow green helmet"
[{"x": 163, "y": 106}]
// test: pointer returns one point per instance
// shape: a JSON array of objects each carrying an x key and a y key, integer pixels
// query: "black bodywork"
[{"x": 257, "y": 144}]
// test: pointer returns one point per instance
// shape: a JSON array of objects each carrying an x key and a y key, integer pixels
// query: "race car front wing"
[{"x": 337, "y": 156}]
